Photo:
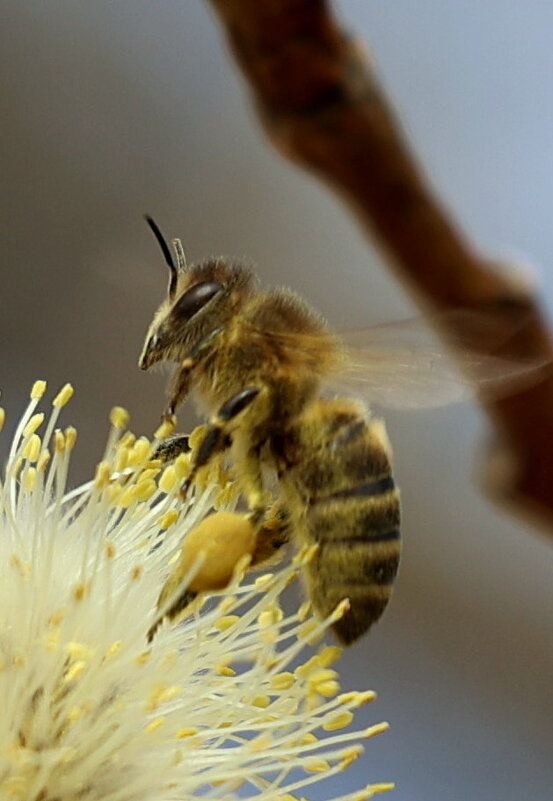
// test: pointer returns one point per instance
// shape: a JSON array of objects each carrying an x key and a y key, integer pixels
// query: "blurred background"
[{"x": 111, "y": 110}]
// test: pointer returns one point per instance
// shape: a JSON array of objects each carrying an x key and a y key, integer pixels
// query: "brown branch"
[{"x": 323, "y": 107}]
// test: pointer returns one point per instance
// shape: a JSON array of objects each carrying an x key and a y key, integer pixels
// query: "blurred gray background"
[{"x": 113, "y": 109}]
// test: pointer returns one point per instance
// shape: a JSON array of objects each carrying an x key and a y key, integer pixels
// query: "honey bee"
[{"x": 256, "y": 362}]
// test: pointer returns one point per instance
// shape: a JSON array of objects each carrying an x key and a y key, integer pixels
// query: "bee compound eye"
[{"x": 195, "y": 299}]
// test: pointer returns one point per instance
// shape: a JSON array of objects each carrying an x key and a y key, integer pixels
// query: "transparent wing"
[{"x": 404, "y": 364}]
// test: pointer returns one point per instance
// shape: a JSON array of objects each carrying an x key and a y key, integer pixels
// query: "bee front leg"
[{"x": 180, "y": 385}]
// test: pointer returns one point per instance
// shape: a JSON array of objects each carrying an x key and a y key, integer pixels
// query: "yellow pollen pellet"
[
  {"x": 226, "y": 622},
  {"x": 167, "y": 520},
  {"x": 113, "y": 649},
  {"x": 64, "y": 396},
  {"x": 378, "y": 728},
  {"x": 283, "y": 681},
  {"x": 317, "y": 766},
  {"x": 155, "y": 724},
  {"x": 2, "y": 417},
  {"x": 328, "y": 655},
  {"x": 166, "y": 428},
  {"x": 261, "y": 701},
  {"x": 34, "y": 423},
  {"x": 76, "y": 650},
  {"x": 182, "y": 733},
  {"x": 74, "y": 671},
  {"x": 59, "y": 441},
  {"x": 28, "y": 479},
  {"x": 101, "y": 479},
  {"x": 43, "y": 461},
  {"x": 119, "y": 417},
  {"x": 168, "y": 479},
  {"x": 31, "y": 451},
  {"x": 38, "y": 390},
  {"x": 70, "y": 437},
  {"x": 339, "y": 722}
]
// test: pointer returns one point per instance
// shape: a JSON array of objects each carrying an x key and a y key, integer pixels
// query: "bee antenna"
[{"x": 167, "y": 255}]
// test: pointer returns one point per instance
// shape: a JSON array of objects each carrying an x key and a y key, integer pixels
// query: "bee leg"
[
  {"x": 217, "y": 437},
  {"x": 271, "y": 535},
  {"x": 171, "y": 447},
  {"x": 180, "y": 385}
]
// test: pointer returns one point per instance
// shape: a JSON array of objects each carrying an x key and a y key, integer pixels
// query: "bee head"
[{"x": 200, "y": 298}]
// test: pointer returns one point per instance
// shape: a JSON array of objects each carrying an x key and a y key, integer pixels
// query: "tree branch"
[{"x": 323, "y": 108}]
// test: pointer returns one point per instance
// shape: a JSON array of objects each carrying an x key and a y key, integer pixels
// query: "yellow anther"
[
  {"x": 329, "y": 655},
  {"x": 145, "y": 489},
  {"x": 143, "y": 658},
  {"x": 59, "y": 441},
  {"x": 167, "y": 520},
  {"x": 196, "y": 437},
  {"x": 309, "y": 739},
  {"x": 316, "y": 765},
  {"x": 80, "y": 590},
  {"x": 261, "y": 581},
  {"x": 378, "y": 728},
  {"x": 121, "y": 459},
  {"x": 73, "y": 672},
  {"x": 161, "y": 694},
  {"x": 101, "y": 479},
  {"x": 283, "y": 681},
  {"x": 186, "y": 732},
  {"x": 119, "y": 417},
  {"x": 308, "y": 629},
  {"x": 308, "y": 667},
  {"x": 43, "y": 460},
  {"x": 28, "y": 479},
  {"x": 305, "y": 610},
  {"x": 225, "y": 670},
  {"x": 34, "y": 423},
  {"x": 227, "y": 603},
  {"x": 226, "y": 622},
  {"x": 165, "y": 429},
  {"x": 64, "y": 396},
  {"x": 350, "y": 756},
  {"x": 155, "y": 724},
  {"x": 261, "y": 701},
  {"x": 38, "y": 390},
  {"x": 70, "y": 437},
  {"x": 110, "y": 550},
  {"x": 150, "y": 472},
  {"x": 341, "y": 609},
  {"x": 357, "y": 699},
  {"x": 182, "y": 465},
  {"x": 382, "y": 787},
  {"x": 168, "y": 479},
  {"x": 78, "y": 651},
  {"x": 31, "y": 451},
  {"x": 137, "y": 572},
  {"x": 140, "y": 451},
  {"x": 338, "y": 722},
  {"x": 269, "y": 617},
  {"x": 113, "y": 649},
  {"x": 2, "y": 417},
  {"x": 56, "y": 617},
  {"x": 23, "y": 568}
]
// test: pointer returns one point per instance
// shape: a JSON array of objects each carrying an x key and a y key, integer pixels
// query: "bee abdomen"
[{"x": 356, "y": 525}]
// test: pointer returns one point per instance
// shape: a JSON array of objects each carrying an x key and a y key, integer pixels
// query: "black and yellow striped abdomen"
[{"x": 344, "y": 499}]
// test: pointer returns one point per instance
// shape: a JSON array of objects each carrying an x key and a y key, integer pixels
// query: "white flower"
[{"x": 90, "y": 709}]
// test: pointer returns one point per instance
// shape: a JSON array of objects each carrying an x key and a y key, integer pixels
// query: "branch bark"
[{"x": 323, "y": 107}]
